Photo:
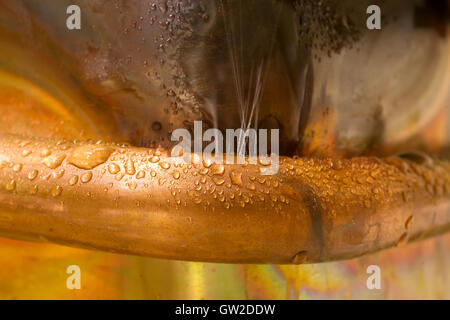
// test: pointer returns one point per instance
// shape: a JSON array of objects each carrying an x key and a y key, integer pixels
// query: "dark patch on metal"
[
  {"x": 434, "y": 14},
  {"x": 314, "y": 207}
]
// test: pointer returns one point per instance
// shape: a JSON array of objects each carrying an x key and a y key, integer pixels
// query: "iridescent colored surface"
[{"x": 38, "y": 271}]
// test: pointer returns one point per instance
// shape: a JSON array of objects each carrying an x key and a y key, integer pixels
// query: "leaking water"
[{"x": 246, "y": 68}]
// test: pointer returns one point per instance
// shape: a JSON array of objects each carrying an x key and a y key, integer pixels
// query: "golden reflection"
[{"x": 37, "y": 271}]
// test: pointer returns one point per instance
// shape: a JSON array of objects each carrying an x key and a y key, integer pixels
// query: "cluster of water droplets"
[{"x": 335, "y": 184}]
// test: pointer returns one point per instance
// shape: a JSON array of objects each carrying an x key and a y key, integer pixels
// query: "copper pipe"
[{"x": 141, "y": 201}]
